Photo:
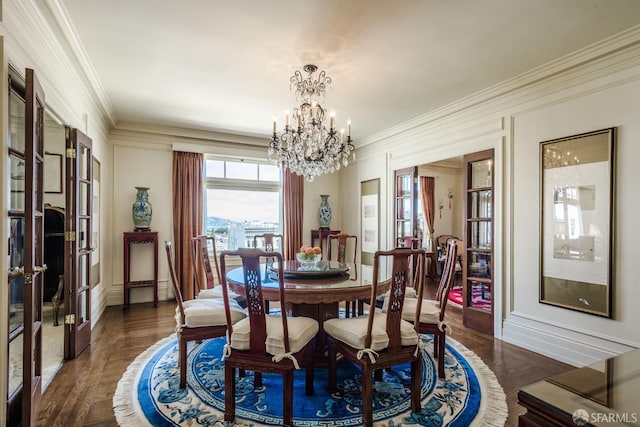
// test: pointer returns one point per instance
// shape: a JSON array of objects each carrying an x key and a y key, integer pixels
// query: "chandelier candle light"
[{"x": 307, "y": 147}]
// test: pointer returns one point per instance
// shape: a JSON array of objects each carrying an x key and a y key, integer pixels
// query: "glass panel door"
[
  {"x": 34, "y": 267},
  {"x": 406, "y": 202},
  {"x": 78, "y": 243},
  {"x": 16, "y": 161},
  {"x": 478, "y": 253}
]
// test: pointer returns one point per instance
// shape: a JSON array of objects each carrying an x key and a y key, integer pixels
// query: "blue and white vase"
[
  {"x": 141, "y": 210},
  {"x": 324, "y": 212}
]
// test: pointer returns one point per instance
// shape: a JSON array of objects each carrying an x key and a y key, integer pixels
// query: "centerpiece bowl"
[{"x": 308, "y": 257}]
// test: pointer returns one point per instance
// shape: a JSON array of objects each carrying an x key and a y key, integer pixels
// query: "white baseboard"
[
  {"x": 567, "y": 346},
  {"x": 115, "y": 294}
]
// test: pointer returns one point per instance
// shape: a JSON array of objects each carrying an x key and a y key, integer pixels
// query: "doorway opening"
[
  {"x": 463, "y": 201},
  {"x": 53, "y": 292}
]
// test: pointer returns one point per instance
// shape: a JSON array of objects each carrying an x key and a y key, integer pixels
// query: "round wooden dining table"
[{"x": 315, "y": 294}]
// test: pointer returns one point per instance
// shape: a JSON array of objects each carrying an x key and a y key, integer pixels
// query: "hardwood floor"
[{"x": 81, "y": 393}]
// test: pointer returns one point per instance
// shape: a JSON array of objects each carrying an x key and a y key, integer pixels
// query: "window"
[{"x": 243, "y": 199}]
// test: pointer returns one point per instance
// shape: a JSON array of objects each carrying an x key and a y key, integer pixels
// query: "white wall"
[
  {"x": 141, "y": 167},
  {"x": 592, "y": 89},
  {"x": 614, "y": 106},
  {"x": 364, "y": 169},
  {"x": 323, "y": 184}
]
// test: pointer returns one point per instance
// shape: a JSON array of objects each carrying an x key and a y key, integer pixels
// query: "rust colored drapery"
[
  {"x": 292, "y": 194},
  {"x": 188, "y": 205},
  {"x": 427, "y": 190}
]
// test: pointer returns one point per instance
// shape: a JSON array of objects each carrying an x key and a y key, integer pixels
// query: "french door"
[
  {"x": 34, "y": 253},
  {"x": 26, "y": 250},
  {"x": 78, "y": 242},
  {"x": 477, "y": 258},
  {"x": 406, "y": 201}
]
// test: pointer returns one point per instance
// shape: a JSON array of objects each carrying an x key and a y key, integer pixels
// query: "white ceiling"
[{"x": 225, "y": 65}]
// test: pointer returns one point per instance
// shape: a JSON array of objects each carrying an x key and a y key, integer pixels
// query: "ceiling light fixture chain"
[{"x": 307, "y": 146}]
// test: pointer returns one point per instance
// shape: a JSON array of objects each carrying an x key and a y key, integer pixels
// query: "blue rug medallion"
[{"x": 462, "y": 400}]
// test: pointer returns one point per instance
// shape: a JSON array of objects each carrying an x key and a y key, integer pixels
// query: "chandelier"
[
  {"x": 307, "y": 146},
  {"x": 554, "y": 158}
]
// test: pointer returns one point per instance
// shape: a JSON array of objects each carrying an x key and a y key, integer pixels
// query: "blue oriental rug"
[{"x": 148, "y": 393}]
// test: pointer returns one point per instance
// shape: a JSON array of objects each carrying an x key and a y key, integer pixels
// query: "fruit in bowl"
[{"x": 308, "y": 256}]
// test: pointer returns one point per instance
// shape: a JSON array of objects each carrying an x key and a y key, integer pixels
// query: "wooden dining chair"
[
  {"x": 268, "y": 241},
  {"x": 263, "y": 342},
  {"x": 198, "y": 319},
  {"x": 338, "y": 245},
  {"x": 380, "y": 340},
  {"x": 409, "y": 242},
  {"x": 441, "y": 248},
  {"x": 431, "y": 314},
  {"x": 207, "y": 284},
  {"x": 337, "y": 251}
]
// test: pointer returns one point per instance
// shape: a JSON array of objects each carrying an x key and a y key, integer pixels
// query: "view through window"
[{"x": 242, "y": 201}]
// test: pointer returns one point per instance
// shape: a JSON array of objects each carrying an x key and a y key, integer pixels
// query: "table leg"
[{"x": 319, "y": 312}]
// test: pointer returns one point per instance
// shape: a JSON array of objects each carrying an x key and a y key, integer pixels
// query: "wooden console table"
[{"x": 140, "y": 237}]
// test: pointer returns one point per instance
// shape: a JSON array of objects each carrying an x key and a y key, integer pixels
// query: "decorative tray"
[{"x": 322, "y": 269}]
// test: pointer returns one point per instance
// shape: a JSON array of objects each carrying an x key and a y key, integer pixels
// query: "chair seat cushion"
[
  {"x": 353, "y": 331},
  {"x": 208, "y": 312},
  {"x": 429, "y": 313},
  {"x": 301, "y": 331},
  {"x": 215, "y": 292}
]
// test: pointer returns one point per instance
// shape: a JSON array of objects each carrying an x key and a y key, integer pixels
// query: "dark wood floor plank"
[{"x": 82, "y": 391}]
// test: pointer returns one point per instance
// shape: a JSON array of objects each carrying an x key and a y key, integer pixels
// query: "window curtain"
[
  {"x": 427, "y": 187},
  {"x": 188, "y": 206},
  {"x": 293, "y": 194}
]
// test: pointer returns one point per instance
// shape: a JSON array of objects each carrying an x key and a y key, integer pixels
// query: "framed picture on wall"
[
  {"x": 577, "y": 198},
  {"x": 369, "y": 224}
]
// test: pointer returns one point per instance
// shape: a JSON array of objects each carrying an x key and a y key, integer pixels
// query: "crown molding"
[
  {"x": 61, "y": 17},
  {"x": 602, "y": 48},
  {"x": 33, "y": 41},
  {"x": 192, "y": 134}
]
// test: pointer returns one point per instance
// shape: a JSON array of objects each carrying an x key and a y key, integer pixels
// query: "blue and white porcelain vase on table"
[
  {"x": 141, "y": 210},
  {"x": 324, "y": 212}
]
